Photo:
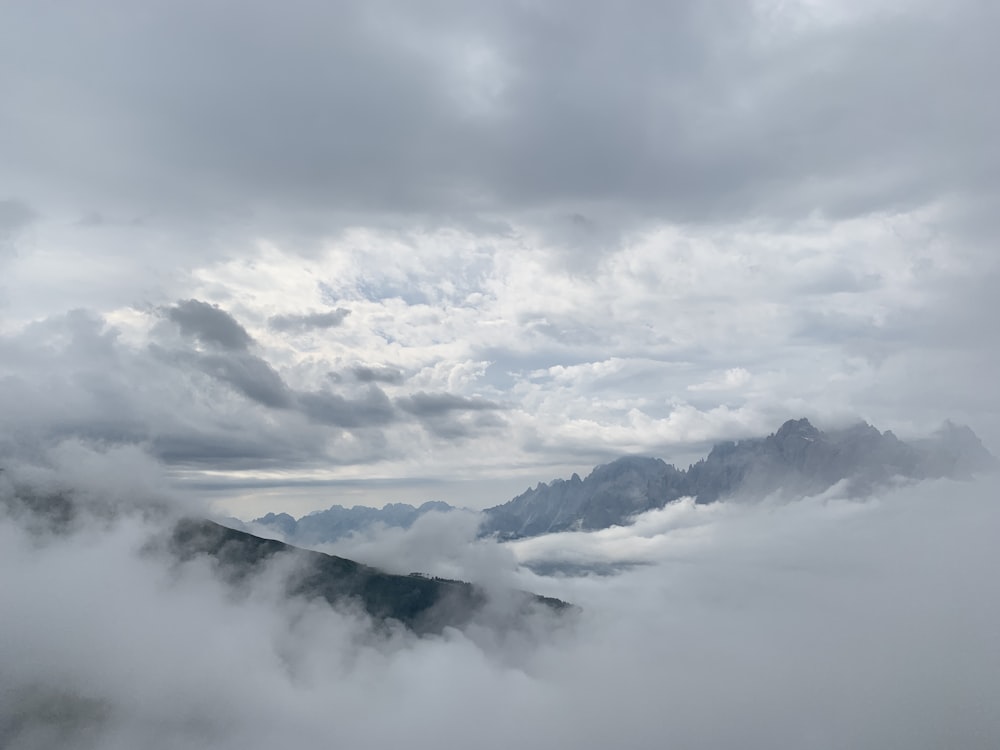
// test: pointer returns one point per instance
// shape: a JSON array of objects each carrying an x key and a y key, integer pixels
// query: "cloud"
[
  {"x": 575, "y": 231},
  {"x": 726, "y": 112},
  {"x": 799, "y": 191},
  {"x": 209, "y": 324},
  {"x": 75, "y": 375},
  {"x": 78, "y": 376},
  {"x": 733, "y": 378},
  {"x": 15, "y": 215},
  {"x": 377, "y": 374},
  {"x": 450, "y": 417},
  {"x": 294, "y": 323},
  {"x": 436, "y": 404},
  {"x": 483, "y": 396},
  {"x": 436, "y": 544},
  {"x": 250, "y": 375},
  {"x": 848, "y": 624},
  {"x": 374, "y": 408}
]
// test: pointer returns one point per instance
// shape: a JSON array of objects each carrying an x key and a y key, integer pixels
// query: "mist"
[
  {"x": 265, "y": 258},
  {"x": 819, "y": 623}
]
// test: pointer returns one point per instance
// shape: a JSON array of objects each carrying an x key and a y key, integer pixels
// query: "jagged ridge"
[{"x": 797, "y": 459}]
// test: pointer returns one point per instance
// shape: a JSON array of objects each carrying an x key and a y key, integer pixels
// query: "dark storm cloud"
[
  {"x": 247, "y": 373},
  {"x": 330, "y": 319},
  {"x": 436, "y": 404},
  {"x": 250, "y": 375},
  {"x": 600, "y": 113},
  {"x": 374, "y": 408},
  {"x": 209, "y": 324},
  {"x": 377, "y": 374},
  {"x": 463, "y": 426},
  {"x": 222, "y": 449},
  {"x": 448, "y": 416}
]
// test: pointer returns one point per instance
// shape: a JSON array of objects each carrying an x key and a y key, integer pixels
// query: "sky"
[{"x": 310, "y": 253}]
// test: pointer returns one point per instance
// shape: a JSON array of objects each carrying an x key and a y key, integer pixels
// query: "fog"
[
  {"x": 819, "y": 623},
  {"x": 262, "y": 257}
]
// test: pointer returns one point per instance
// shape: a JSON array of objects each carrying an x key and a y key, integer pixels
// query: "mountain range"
[
  {"x": 796, "y": 460},
  {"x": 337, "y": 521}
]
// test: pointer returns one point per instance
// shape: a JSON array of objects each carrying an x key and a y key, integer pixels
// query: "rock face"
[
  {"x": 337, "y": 521},
  {"x": 798, "y": 459},
  {"x": 611, "y": 493}
]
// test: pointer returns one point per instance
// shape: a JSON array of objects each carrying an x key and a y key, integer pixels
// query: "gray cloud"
[
  {"x": 219, "y": 446},
  {"x": 377, "y": 374},
  {"x": 250, "y": 375},
  {"x": 463, "y": 427},
  {"x": 586, "y": 215},
  {"x": 740, "y": 601},
  {"x": 451, "y": 417},
  {"x": 209, "y": 324},
  {"x": 679, "y": 111},
  {"x": 579, "y": 230},
  {"x": 15, "y": 215},
  {"x": 71, "y": 376},
  {"x": 374, "y": 408},
  {"x": 330, "y": 319},
  {"x": 423, "y": 404}
]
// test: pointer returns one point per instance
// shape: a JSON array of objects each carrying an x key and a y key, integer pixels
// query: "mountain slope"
[
  {"x": 798, "y": 459},
  {"x": 421, "y": 603}
]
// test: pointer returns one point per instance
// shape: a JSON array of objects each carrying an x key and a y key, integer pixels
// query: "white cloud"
[
  {"x": 650, "y": 351},
  {"x": 628, "y": 232},
  {"x": 500, "y": 217},
  {"x": 861, "y": 624},
  {"x": 733, "y": 378}
]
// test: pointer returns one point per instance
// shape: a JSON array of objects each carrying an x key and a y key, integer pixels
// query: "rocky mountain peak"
[
  {"x": 797, "y": 429},
  {"x": 796, "y": 460}
]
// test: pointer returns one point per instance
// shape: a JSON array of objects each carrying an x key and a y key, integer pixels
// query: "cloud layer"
[
  {"x": 260, "y": 254},
  {"x": 824, "y": 623},
  {"x": 297, "y": 250}
]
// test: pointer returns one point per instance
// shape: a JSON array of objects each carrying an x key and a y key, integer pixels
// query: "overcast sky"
[{"x": 317, "y": 252}]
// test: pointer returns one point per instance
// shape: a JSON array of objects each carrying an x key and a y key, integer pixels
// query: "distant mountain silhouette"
[
  {"x": 337, "y": 521},
  {"x": 797, "y": 460}
]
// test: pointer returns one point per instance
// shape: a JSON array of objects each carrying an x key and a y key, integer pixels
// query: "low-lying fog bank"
[{"x": 823, "y": 623}]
